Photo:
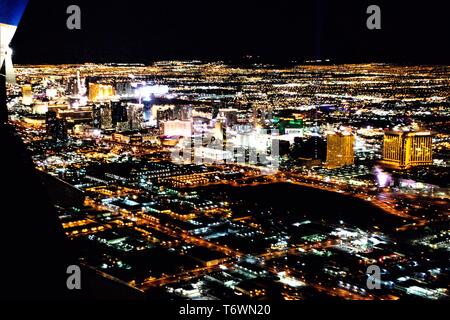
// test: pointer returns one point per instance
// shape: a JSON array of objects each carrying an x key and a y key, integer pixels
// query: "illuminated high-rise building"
[
  {"x": 262, "y": 115},
  {"x": 163, "y": 113},
  {"x": 106, "y": 114},
  {"x": 404, "y": 150},
  {"x": 56, "y": 128},
  {"x": 78, "y": 82},
  {"x": 340, "y": 150},
  {"x": 100, "y": 91},
  {"x": 50, "y": 122},
  {"x": 27, "y": 94},
  {"x": 219, "y": 131},
  {"x": 135, "y": 115},
  {"x": 182, "y": 113},
  {"x": 118, "y": 112},
  {"x": 124, "y": 88},
  {"x": 72, "y": 87},
  {"x": 94, "y": 89},
  {"x": 102, "y": 116}
]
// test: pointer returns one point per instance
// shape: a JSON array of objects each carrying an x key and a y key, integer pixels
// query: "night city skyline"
[{"x": 238, "y": 154}]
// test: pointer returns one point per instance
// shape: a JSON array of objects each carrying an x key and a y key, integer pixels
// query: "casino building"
[{"x": 403, "y": 150}]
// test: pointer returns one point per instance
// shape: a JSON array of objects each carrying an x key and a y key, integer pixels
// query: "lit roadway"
[
  {"x": 175, "y": 278},
  {"x": 188, "y": 238}
]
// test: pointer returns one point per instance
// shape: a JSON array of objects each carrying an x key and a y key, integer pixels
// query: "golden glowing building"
[
  {"x": 404, "y": 150},
  {"x": 340, "y": 150},
  {"x": 27, "y": 94},
  {"x": 100, "y": 91}
]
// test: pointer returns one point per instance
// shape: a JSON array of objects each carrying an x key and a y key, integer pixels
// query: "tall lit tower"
[
  {"x": 340, "y": 150},
  {"x": 135, "y": 115},
  {"x": 27, "y": 94}
]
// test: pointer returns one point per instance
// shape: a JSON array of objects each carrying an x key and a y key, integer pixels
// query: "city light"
[{"x": 247, "y": 179}]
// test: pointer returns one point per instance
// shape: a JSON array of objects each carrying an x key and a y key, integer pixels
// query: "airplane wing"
[{"x": 11, "y": 12}]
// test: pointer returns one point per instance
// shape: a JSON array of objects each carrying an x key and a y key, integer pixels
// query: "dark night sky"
[{"x": 144, "y": 31}]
